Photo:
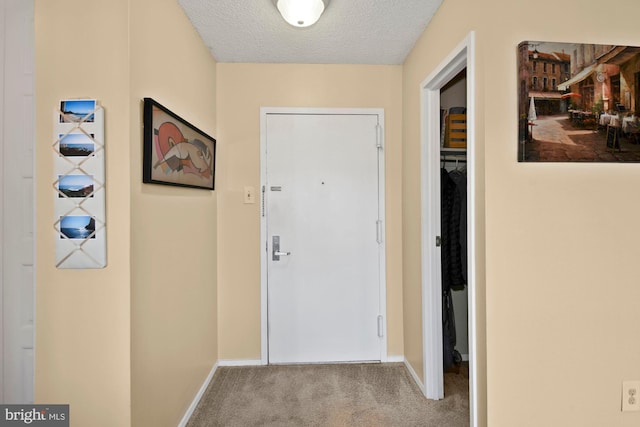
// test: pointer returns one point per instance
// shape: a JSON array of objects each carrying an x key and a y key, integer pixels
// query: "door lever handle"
[{"x": 276, "y": 254}]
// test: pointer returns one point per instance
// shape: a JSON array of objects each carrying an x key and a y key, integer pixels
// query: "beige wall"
[
  {"x": 429, "y": 52},
  {"x": 173, "y": 230},
  {"x": 560, "y": 248},
  {"x": 242, "y": 90},
  {"x": 132, "y": 343},
  {"x": 82, "y": 316},
  {"x": 559, "y": 286}
]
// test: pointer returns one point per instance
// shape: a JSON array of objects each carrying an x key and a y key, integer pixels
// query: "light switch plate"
[{"x": 249, "y": 195}]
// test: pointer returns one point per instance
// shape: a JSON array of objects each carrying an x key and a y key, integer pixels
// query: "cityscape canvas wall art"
[{"x": 578, "y": 102}]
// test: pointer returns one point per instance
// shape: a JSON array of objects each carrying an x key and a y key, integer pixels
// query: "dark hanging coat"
[
  {"x": 450, "y": 215},
  {"x": 451, "y": 260}
]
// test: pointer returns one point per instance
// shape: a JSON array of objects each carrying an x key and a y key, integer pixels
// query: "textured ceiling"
[{"x": 349, "y": 31}]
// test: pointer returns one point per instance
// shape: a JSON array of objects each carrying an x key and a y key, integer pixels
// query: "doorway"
[
  {"x": 453, "y": 174},
  {"x": 322, "y": 227},
  {"x": 17, "y": 124},
  {"x": 460, "y": 59}
]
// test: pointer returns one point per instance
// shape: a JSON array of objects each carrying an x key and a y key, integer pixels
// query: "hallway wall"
[
  {"x": 558, "y": 300},
  {"x": 132, "y": 343},
  {"x": 174, "y": 317},
  {"x": 242, "y": 90},
  {"x": 83, "y": 316},
  {"x": 559, "y": 297}
]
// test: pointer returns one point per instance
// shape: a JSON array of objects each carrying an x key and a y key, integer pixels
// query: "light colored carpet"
[{"x": 367, "y": 395}]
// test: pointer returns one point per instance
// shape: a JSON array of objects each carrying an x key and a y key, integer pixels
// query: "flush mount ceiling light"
[{"x": 301, "y": 13}]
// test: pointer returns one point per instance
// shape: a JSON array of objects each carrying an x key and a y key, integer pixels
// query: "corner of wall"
[{"x": 174, "y": 291}]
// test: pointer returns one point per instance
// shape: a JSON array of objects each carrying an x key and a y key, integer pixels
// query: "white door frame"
[
  {"x": 17, "y": 248},
  {"x": 264, "y": 111},
  {"x": 463, "y": 56},
  {"x": 2, "y": 239}
]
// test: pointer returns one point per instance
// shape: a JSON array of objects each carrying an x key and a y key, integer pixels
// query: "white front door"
[
  {"x": 322, "y": 208},
  {"x": 17, "y": 199}
]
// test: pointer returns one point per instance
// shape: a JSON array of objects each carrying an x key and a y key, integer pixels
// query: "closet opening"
[
  {"x": 453, "y": 225},
  {"x": 448, "y": 225}
]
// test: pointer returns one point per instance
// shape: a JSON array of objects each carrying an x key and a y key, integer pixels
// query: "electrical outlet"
[
  {"x": 630, "y": 396},
  {"x": 249, "y": 195}
]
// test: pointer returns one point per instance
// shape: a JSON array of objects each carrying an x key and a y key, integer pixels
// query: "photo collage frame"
[{"x": 79, "y": 184}]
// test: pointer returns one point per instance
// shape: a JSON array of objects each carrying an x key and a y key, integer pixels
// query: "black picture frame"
[{"x": 175, "y": 151}]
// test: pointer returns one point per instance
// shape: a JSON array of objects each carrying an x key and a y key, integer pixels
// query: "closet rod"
[{"x": 444, "y": 159}]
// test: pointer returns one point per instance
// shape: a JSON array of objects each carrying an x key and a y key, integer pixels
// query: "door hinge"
[
  {"x": 378, "y": 136},
  {"x": 438, "y": 241},
  {"x": 379, "y": 231},
  {"x": 380, "y": 326},
  {"x": 262, "y": 199}
]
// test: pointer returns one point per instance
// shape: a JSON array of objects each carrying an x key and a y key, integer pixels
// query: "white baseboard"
[
  {"x": 240, "y": 362},
  {"x": 196, "y": 399},
  {"x": 258, "y": 362},
  {"x": 415, "y": 377},
  {"x": 465, "y": 357}
]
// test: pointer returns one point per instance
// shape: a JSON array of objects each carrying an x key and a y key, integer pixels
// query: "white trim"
[
  {"x": 465, "y": 357},
  {"x": 264, "y": 111},
  {"x": 395, "y": 359},
  {"x": 240, "y": 362},
  {"x": 471, "y": 228},
  {"x": 463, "y": 56},
  {"x": 192, "y": 407},
  {"x": 264, "y": 317},
  {"x": 382, "y": 247},
  {"x": 320, "y": 111},
  {"x": 431, "y": 271},
  {"x": 3, "y": 242},
  {"x": 17, "y": 267},
  {"x": 415, "y": 376}
]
